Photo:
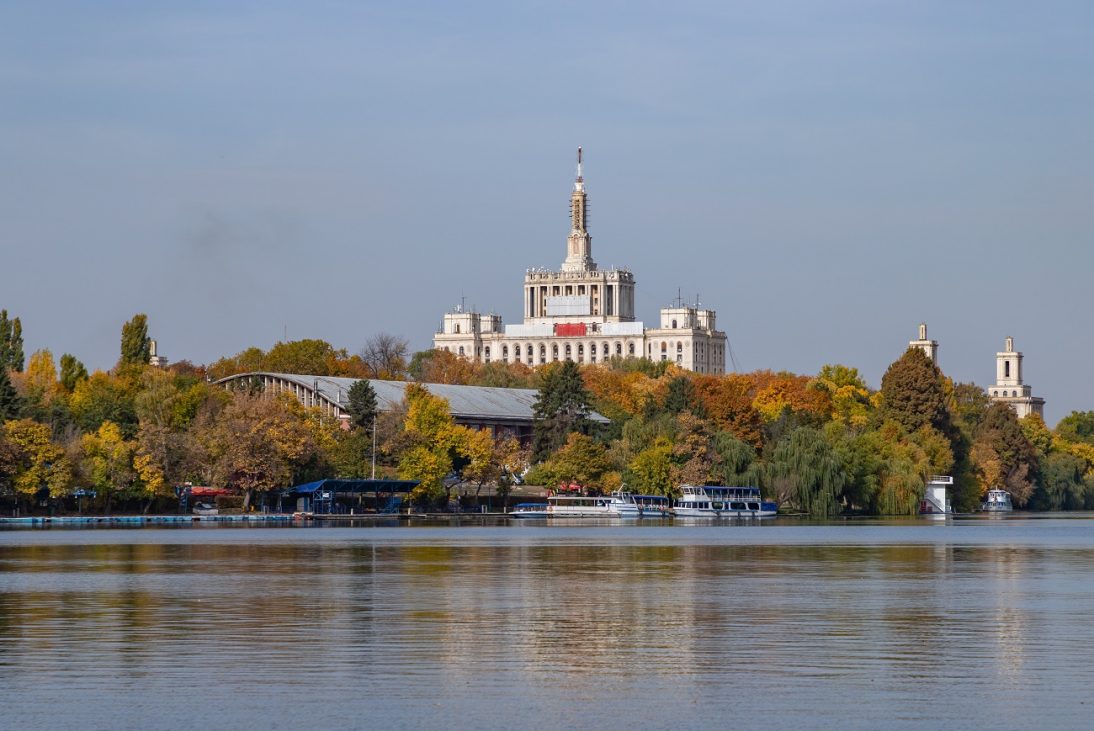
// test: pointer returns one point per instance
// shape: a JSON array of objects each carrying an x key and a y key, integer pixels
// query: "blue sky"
[{"x": 824, "y": 175}]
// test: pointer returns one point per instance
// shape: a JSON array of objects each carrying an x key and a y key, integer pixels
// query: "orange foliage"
[{"x": 727, "y": 401}]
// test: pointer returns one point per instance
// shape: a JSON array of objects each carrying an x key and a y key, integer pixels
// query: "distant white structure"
[
  {"x": 929, "y": 347},
  {"x": 585, "y": 314},
  {"x": 153, "y": 359},
  {"x": 936, "y": 499},
  {"x": 1009, "y": 389}
]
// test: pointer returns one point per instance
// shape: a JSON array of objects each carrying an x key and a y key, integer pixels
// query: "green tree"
[
  {"x": 101, "y": 398},
  {"x": 581, "y": 460},
  {"x": 680, "y": 396},
  {"x": 72, "y": 372},
  {"x": 11, "y": 405},
  {"x": 849, "y": 395},
  {"x": 11, "y": 343},
  {"x": 136, "y": 345},
  {"x": 912, "y": 393},
  {"x": 1062, "y": 486},
  {"x": 806, "y": 472},
  {"x": 1078, "y": 426},
  {"x": 561, "y": 407},
  {"x": 362, "y": 405},
  {"x": 734, "y": 461},
  {"x": 650, "y": 472}
]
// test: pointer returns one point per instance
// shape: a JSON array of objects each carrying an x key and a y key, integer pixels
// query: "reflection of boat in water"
[
  {"x": 935, "y": 501},
  {"x": 997, "y": 501},
  {"x": 715, "y": 501}
]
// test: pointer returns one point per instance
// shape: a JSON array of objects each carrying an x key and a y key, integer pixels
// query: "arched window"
[
  {"x": 631, "y": 348},
  {"x": 568, "y": 351},
  {"x": 461, "y": 350},
  {"x": 679, "y": 347},
  {"x": 516, "y": 350},
  {"x": 674, "y": 324},
  {"x": 1014, "y": 394},
  {"x": 604, "y": 350},
  {"x": 487, "y": 353},
  {"x": 580, "y": 349},
  {"x": 457, "y": 327},
  {"x": 619, "y": 348}
]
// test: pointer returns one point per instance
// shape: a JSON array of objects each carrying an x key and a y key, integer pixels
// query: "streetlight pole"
[{"x": 374, "y": 446}]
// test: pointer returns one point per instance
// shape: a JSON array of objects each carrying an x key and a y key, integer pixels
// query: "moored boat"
[
  {"x": 716, "y": 501},
  {"x": 529, "y": 510},
  {"x": 997, "y": 501}
]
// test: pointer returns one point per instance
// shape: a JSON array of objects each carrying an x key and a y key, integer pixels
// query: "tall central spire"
[{"x": 579, "y": 244}]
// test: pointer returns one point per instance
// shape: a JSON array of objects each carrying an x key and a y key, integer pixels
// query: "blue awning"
[{"x": 353, "y": 486}]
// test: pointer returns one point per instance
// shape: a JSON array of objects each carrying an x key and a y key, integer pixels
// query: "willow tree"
[{"x": 805, "y": 471}]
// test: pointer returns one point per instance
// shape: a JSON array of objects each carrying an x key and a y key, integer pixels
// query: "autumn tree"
[
  {"x": 432, "y": 446},
  {"x": 850, "y": 398},
  {"x": 136, "y": 347},
  {"x": 35, "y": 463},
  {"x": 258, "y": 444},
  {"x": 581, "y": 460},
  {"x": 1003, "y": 454},
  {"x": 561, "y": 408},
  {"x": 102, "y": 398}
]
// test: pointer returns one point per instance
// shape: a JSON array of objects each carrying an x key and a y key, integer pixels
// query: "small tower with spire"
[
  {"x": 929, "y": 347},
  {"x": 579, "y": 244}
]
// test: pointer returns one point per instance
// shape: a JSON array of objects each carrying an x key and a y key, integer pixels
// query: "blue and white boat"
[
  {"x": 715, "y": 501},
  {"x": 529, "y": 510},
  {"x": 629, "y": 505}
]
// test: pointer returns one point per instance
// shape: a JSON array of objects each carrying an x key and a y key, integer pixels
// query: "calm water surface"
[{"x": 964, "y": 624}]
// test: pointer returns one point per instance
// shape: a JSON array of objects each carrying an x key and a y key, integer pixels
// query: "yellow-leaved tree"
[{"x": 33, "y": 461}]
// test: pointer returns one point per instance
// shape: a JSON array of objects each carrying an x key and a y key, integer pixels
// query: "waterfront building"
[
  {"x": 584, "y": 314},
  {"x": 929, "y": 347},
  {"x": 505, "y": 412},
  {"x": 1009, "y": 388}
]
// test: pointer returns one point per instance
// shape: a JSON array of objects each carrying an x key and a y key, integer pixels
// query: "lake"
[{"x": 963, "y": 623}]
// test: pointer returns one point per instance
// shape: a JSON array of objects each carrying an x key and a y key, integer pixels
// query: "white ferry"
[
  {"x": 570, "y": 506},
  {"x": 629, "y": 505},
  {"x": 998, "y": 501},
  {"x": 715, "y": 501}
]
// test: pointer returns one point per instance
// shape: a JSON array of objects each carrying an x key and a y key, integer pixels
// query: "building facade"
[
  {"x": 1009, "y": 388},
  {"x": 584, "y": 314}
]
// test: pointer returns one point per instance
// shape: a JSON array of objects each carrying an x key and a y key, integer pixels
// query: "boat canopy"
[{"x": 352, "y": 486}]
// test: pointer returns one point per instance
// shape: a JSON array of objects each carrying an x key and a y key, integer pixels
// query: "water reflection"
[{"x": 306, "y": 628}]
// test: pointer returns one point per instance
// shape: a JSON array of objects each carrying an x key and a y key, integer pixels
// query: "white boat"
[
  {"x": 998, "y": 501},
  {"x": 715, "y": 501},
  {"x": 582, "y": 506},
  {"x": 529, "y": 510}
]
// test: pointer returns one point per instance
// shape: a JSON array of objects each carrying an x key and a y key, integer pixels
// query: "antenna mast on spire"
[{"x": 579, "y": 177}]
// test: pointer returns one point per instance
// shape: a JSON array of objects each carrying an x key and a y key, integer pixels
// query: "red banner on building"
[{"x": 570, "y": 329}]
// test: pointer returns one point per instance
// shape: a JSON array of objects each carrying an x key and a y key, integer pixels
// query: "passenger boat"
[
  {"x": 998, "y": 501},
  {"x": 581, "y": 506},
  {"x": 715, "y": 501}
]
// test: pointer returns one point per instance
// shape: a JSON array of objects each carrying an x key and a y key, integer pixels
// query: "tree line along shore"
[{"x": 123, "y": 440}]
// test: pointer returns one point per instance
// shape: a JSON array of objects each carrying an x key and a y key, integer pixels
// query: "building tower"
[
  {"x": 1009, "y": 388},
  {"x": 929, "y": 347},
  {"x": 579, "y": 244}
]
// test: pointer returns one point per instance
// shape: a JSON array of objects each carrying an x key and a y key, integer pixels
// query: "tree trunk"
[{"x": 247, "y": 499}]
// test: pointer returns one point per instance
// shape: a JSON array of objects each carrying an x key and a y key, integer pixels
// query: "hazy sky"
[{"x": 823, "y": 174}]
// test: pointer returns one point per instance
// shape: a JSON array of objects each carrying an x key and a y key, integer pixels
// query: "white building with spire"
[
  {"x": 584, "y": 314},
  {"x": 1009, "y": 388},
  {"x": 929, "y": 347}
]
